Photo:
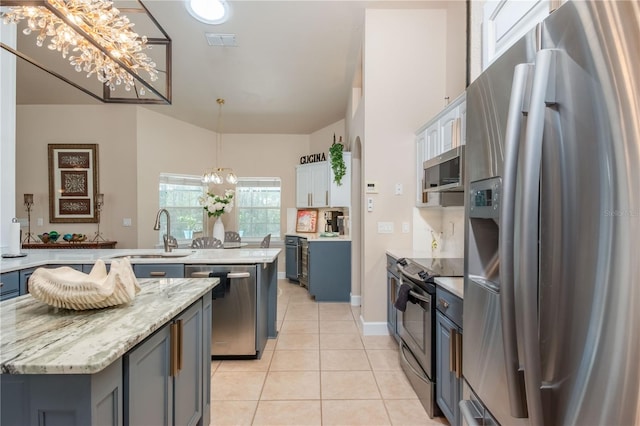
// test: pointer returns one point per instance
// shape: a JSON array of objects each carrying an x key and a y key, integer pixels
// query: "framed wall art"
[
  {"x": 307, "y": 220},
  {"x": 73, "y": 183}
]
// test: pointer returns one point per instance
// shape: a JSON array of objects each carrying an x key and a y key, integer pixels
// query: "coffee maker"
[{"x": 331, "y": 217}]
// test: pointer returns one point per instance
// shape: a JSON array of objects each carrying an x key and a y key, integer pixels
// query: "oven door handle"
[{"x": 419, "y": 296}]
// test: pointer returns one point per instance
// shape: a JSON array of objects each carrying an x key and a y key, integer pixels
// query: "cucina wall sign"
[{"x": 313, "y": 158}]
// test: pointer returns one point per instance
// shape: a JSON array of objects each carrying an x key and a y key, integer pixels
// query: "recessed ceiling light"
[{"x": 209, "y": 11}]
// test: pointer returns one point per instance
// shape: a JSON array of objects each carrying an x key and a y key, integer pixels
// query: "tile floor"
[{"x": 319, "y": 371}]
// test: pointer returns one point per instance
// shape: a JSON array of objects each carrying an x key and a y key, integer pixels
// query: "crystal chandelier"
[
  {"x": 216, "y": 175},
  {"x": 95, "y": 38}
]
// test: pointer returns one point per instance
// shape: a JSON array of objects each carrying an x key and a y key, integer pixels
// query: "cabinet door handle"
[
  {"x": 458, "y": 355},
  {"x": 157, "y": 274},
  {"x": 204, "y": 274},
  {"x": 326, "y": 198},
  {"x": 173, "y": 348},
  {"x": 180, "y": 327},
  {"x": 452, "y": 350}
]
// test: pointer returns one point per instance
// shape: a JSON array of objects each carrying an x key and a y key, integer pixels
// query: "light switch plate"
[
  {"x": 405, "y": 227},
  {"x": 126, "y": 221},
  {"x": 385, "y": 227},
  {"x": 399, "y": 189}
]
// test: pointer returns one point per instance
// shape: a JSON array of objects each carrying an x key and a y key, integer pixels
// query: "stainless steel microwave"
[{"x": 444, "y": 172}]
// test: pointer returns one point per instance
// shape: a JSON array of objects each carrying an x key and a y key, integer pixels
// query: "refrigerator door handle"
[
  {"x": 521, "y": 86},
  {"x": 542, "y": 94}
]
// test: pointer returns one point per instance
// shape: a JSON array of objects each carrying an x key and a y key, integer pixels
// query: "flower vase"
[{"x": 218, "y": 229}]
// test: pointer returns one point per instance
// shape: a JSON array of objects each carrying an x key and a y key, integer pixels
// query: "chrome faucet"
[{"x": 169, "y": 241}]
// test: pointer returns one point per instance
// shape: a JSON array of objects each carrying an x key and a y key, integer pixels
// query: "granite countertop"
[
  {"x": 36, "y": 338},
  {"x": 318, "y": 237},
  {"x": 37, "y": 258},
  {"x": 454, "y": 285}
]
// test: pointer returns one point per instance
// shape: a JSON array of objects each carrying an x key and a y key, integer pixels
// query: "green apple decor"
[{"x": 337, "y": 162}]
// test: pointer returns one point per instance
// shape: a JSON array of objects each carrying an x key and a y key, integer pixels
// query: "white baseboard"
[
  {"x": 374, "y": 328},
  {"x": 356, "y": 300},
  {"x": 282, "y": 275}
]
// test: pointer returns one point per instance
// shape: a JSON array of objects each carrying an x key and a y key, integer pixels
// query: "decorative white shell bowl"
[{"x": 67, "y": 288}]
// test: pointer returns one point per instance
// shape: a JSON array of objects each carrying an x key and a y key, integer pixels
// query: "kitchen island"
[
  {"x": 145, "y": 362},
  {"x": 154, "y": 263}
]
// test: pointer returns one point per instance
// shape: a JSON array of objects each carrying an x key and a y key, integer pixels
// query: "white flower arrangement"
[{"x": 216, "y": 205}]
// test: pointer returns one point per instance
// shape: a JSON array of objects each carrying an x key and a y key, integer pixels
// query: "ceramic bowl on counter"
[{"x": 49, "y": 237}]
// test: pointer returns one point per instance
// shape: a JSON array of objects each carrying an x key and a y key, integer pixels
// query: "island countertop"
[
  {"x": 36, "y": 338},
  {"x": 35, "y": 258}
]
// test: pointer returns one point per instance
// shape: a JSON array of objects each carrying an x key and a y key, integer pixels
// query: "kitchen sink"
[{"x": 156, "y": 255}]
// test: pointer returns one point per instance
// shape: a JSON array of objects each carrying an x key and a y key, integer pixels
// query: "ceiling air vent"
[{"x": 223, "y": 40}]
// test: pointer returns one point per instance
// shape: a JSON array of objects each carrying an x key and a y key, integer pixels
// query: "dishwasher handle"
[{"x": 232, "y": 275}]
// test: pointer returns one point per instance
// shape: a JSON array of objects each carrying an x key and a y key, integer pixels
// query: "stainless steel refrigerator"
[{"x": 552, "y": 253}]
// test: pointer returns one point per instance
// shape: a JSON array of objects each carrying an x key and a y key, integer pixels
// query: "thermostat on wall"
[{"x": 371, "y": 188}]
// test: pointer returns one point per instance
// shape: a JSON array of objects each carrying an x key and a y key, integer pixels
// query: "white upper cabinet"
[
  {"x": 505, "y": 21},
  {"x": 315, "y": 185},
  {"x": 340, "y": 195}
]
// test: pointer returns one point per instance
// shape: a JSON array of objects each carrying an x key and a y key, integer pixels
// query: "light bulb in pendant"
[{"x": 232, "y": 178}]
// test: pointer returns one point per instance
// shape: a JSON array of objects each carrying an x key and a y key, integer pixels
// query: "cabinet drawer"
[
  {"x": 9, "y": 284},
  {"x": 159, "y": 270},
  {"x": 450, "y": 305},
  {"x": 291, "y": 240}
]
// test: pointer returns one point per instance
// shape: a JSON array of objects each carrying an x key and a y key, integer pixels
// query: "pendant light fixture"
[
  {"x": 217, "y": 175},
  {"x": 97, "y": 41}
]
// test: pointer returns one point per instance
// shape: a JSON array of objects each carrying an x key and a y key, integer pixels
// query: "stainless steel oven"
[{"x": 416, "y": 324}]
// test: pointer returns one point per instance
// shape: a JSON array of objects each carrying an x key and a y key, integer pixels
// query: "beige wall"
[
  {"x": 403, "y": 88},
  {"x": 135, "y": 146},
  {"x": 321, "y": 140},
  {"x": 456, "y": 48},
  {"x": 113, "y": 128}
]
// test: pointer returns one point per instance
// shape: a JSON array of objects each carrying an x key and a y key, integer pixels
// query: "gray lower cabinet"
[
  {"x": 329, "y": 264},
  {"x": 449, "y": 355},
  {"x": 63, "y": 400},
  {"x": 292, "y": 257},
  {"x": 163, "y": 375},
  {"x": 9, "y": 285},
  {"x": 159, "y": 270},
  {"x": 25, "y": 274},
  {"x": 165, "y": 380},
  {"x": 393, "y": 285}
]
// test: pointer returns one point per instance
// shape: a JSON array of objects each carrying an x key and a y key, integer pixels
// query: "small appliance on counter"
[
  {"x": 331, "y": 216},
  {"x": 343, "y": 225}
]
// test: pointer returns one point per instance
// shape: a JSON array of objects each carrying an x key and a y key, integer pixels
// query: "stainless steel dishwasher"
[{"x": 234, "y": 308}]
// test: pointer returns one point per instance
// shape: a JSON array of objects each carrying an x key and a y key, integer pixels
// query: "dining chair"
[
  {"x": 206, "y": 243},
  {"x": 231, "y": 237},
  {"x": 266, "y": 241}
]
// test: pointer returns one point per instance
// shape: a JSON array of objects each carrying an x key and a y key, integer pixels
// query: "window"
[
  {"x": 179, "y": 195},
  {"x": 258, "y": 205}
]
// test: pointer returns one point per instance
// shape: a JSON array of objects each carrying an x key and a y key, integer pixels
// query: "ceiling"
[{"x": 291, "y": 72}]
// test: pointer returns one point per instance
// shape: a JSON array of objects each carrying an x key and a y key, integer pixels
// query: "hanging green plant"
[{"x": 337, "y": 162}]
